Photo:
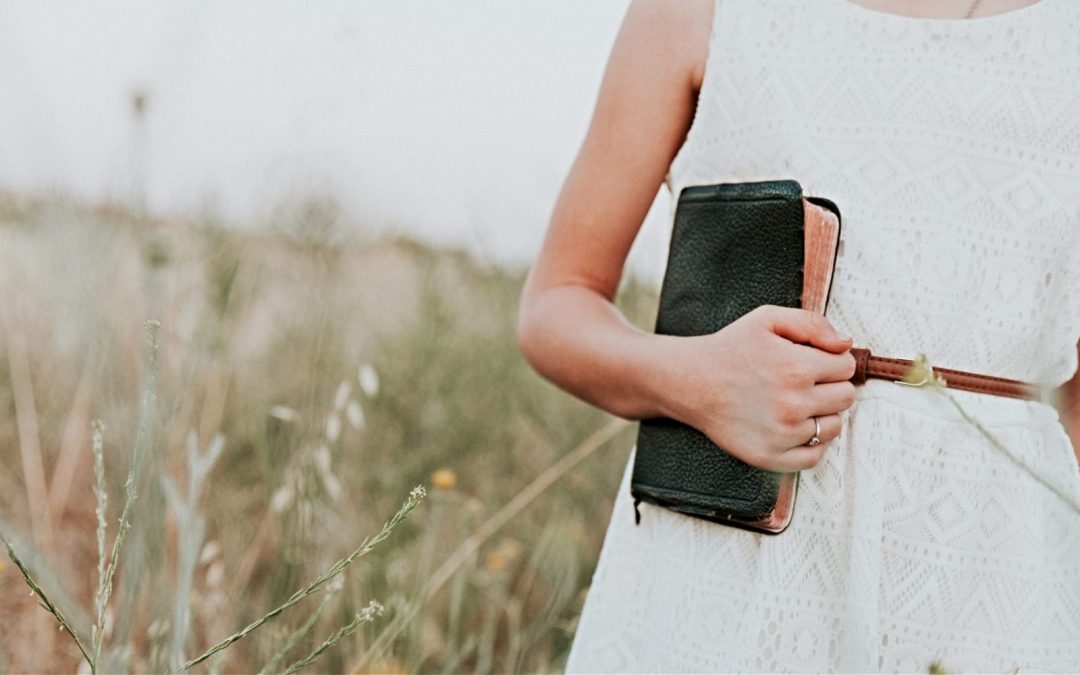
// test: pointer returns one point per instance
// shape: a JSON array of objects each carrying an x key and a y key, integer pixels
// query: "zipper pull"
[{"x": 637, "y": 512}]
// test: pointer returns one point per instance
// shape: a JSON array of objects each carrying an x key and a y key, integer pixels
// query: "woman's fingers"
[
  {"x": 828, "y": 366},
  {"x": 805, "y": 456},
  {"x": 802, "y": 326},
  {"x": 831, "y": 397}
]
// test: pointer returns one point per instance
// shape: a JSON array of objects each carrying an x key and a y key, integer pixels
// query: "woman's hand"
[{"x": 755, "y": 386}]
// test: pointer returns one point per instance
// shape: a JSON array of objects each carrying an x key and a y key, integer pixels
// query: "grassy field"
[{"x": 333, "y": 374}]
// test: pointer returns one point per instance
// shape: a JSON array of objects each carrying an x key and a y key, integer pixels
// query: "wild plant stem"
[
  {"x": 366, "y": 616},
  {"x": 146, "y": 409},
  {"x": 1001, "y": 446},
  {"x": 417, "y": 494},
  {"x": 294, "y": 639},
  {"x": 921, "y": 373},
  {"x": 46, "y": 603},
  {"x": 98, "y": 628}
]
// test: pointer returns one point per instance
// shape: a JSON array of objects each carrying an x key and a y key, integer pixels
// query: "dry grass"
[{"x": 264, "y": 336}]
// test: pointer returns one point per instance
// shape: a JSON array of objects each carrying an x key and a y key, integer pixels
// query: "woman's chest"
[{"x": 941, "y": 119}]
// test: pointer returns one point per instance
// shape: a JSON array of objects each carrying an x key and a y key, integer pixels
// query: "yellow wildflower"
[{"x": 444, "y": 479}]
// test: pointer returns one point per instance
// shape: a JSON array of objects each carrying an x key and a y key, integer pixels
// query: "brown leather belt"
[{"x": 868, "y": 365}]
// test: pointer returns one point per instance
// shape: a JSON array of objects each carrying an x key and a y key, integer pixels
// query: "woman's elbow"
[{"x": 526, "y": 328}]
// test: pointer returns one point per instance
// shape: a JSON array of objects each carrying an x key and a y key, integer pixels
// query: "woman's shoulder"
[{"x": 684, "y": 27}]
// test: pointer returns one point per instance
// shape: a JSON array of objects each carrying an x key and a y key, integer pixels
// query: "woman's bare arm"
[
  {"x": 755, "y": 385},
  {"x": 643, "y": 111}
]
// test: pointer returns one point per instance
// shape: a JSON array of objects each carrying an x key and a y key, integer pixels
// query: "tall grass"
[{"x": 306, "y": 381}]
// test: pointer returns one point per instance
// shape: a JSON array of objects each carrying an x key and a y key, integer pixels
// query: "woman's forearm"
[
  {"x": 1070, "y": 408},
  {"x": 1072, "y": 425},
  {"x": 580, "y": 341},
  {"x": 1072, "y": 413}
]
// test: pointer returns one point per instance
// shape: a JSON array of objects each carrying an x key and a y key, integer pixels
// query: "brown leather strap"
[{"x": 886, "y": 368}]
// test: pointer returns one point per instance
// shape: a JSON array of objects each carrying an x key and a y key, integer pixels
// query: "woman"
[{"x": 948, "y": 132}]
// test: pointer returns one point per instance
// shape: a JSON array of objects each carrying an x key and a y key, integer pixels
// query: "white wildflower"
[
  {"x": 333, "y": 427},
  {"x": 282, "y": 499},
  {"x": 284, "y": 413},
  {"x": 355, "y": 415},
  {"x": 332, "y": 485},
  {"x": 322, "y": 459},
  {"x": 373, "y": 610},
  {"x": 210, "y": 551},
  {"x": 215, "y": 575},
  {"x": 369, "y": 380},
  {"x": 342, "y": 396}
]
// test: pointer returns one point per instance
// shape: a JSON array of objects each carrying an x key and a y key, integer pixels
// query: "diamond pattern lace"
[{"x": 953, "y": 150}]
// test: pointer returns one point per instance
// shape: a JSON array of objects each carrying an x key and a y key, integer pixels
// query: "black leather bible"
[{"x": 734, "y": 247}]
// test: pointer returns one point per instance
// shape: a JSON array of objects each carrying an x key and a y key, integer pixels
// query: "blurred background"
[{"x": 276, "y": 249}]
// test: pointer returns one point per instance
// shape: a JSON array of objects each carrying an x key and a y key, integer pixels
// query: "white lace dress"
[{"x": 953, "y": 150}]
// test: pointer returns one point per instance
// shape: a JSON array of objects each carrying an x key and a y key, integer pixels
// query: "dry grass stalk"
[
  {"x": 294, "y": 638},
  {"x": 418, "y": 493},
  {"x": 152, "y": 330},
  {"x": 44, "y": 600},
  {"x": 102, "y": 496},
  {"x": 71, "y": 444},
  {"x": 22, "y": 386},
  {"x": 191, "y": 528},
  {"x": 366, "y": 615}
]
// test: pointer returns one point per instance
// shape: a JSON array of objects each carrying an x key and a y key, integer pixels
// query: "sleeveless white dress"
[{"x": 953, "y": 150}]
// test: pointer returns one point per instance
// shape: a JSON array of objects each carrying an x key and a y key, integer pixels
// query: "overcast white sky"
[{"x": 456, "y": 120}]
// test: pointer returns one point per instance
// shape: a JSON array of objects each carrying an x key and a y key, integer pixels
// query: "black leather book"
[{"x": 734, "y": 247}]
